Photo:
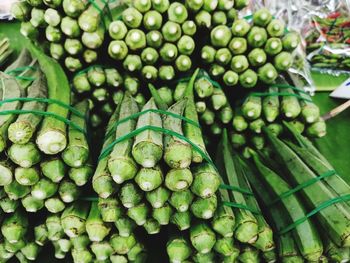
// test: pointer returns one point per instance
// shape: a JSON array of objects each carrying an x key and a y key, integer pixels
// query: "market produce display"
[{"x": 165, "y": 131}]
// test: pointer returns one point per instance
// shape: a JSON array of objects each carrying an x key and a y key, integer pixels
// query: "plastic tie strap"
[
  {"x": 136, "y": 115},
  {"x": 46, "y": 114},
  {"x": 250, "y": 17},
  {"x": 236, "y": 189},
  {"x": 287, "y": 86},
  {"x": 284, "y": 94},
  {"x": 240, "y": 206},
  {"x": 81, "y": 72},
  {"x": 132, "y": 134},
  {"x": 14, "y": 72},
  {"x": 46, "y": 100},
  {"x": 339, "y": 199},
  {"x": 302, "y": 186},
  {"x": 95, "y": 5}
]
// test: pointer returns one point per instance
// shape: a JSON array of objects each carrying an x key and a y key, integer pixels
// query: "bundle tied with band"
[
  {"x": 103, "y": 86},
  {"x": 282, "y": 102},
  {"x": 302, "y": 194},
  {"x": 45, "y": 155},
  {"x": 160, "y": 154},
  {"x": 73, "y": 30}
]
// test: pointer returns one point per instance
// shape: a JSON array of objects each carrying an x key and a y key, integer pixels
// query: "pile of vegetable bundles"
[{"x": 43, "y": 139}]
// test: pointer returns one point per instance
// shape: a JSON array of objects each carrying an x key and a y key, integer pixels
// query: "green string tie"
[
  {"x": 302, "y": 186},
  {"x": 284, "y": 94},
  {"x": 16, "y": 73},
  {"x": 48, "y": 101},
  {"x": 46, "y": 114},
  {"x": 81, "y": 72},
  {"x": 339, "y": 199},
  {"x": 240, "y": 206}
]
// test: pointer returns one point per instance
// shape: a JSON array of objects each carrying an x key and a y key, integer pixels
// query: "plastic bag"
[
  {"x": 5, "y": 8},
  {"x": 327, "y": 35}
]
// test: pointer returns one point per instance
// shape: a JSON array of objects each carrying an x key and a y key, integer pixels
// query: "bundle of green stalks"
[
  {"x": 73, "y": 30},
  {"x": 248, "y": 53},
  {"x": 5, "y": 50},
  {"x": 212, "y": 104},
  {"x": 154, "y": 178},
  {"x": 78, "y": 232},
  {"x": 19, "y": 238},
  {"x": 235, "y": 233},
  {"x": 154, "y": 39},
  {"x": 284, "y": 104},
  {"x": 325, "y": 235},
  {"x": 44, "y": 161},
  {"x": 104, "y": 87}
]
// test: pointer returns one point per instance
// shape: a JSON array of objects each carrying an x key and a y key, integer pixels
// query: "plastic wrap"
[
  {"x": 5, "y": 7},
  {"x": 327, "y": 35}
]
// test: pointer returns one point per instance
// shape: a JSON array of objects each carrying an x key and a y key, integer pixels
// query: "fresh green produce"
[
  {"x": 5, "y": 50},
  {"x": 73, "y": 29},
  {"x": 251, "y": 46}
]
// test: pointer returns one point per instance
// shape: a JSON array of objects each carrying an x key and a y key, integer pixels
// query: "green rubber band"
[
  {"x": 81, "y": 72},
  {"x": 136, "y": 115},
  {"x": 287, "y": 86},
  {"x": 21, "y": 69},
  {"x": 236, "y": 189},
  {"x": 132, "y": 134},
  {"x": 89, "y": 198},
  {"x": 339, "y": 199},
  {"x": 25, "y": 78},
  {"x": 46, "y": 100},
  {"x": 250, "y": 17},
  {"x": 46, "y": 114},
  {"x": 93, "y": 3},
  {"x": 240, "y": 206},
  {"x": 13, "y": 72},
  {"x": 302, "y": 186},
  {"x": 285, "y": 94}
]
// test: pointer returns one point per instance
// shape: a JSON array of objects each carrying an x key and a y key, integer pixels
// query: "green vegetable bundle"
[
  {"x": 304, "y": 198},
  {"x": 104, "y": 87},
  {"x": 153, "y": 39},
  {"x": 246, "y": 53},
  {"x": 45, "y": 156},
  {"x": 212, "y": 104},
  {"x": 78, "y": 231},
  {"x": 237, "y": 232},
  {"x": 157, "y": 173},
  {"x": 281, "y": 102},
  {"x": 74, "y": 30}
]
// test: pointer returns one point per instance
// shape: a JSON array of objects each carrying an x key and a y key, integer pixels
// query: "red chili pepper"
[
  {"x": 334, "y": 15},
  {"x": 347, "y": 41},
  {"x": 332, "y": 38},
  {"x": 345, "y": 24}
]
